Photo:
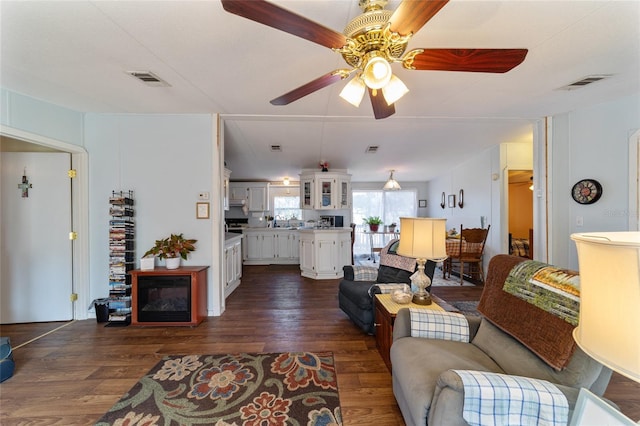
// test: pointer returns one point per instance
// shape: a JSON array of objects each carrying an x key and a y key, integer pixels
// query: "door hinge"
[
  {"x": 73, "y": 235},
  {"x": 72, "y": 173},
  {"x": 74, "y": 297}
]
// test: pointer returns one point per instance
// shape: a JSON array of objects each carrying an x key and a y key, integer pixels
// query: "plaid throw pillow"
[
  {"x": 439, "y": 325},
  {"x": 365, "y": 273}
]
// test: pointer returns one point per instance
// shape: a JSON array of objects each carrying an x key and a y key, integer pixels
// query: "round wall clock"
[{"x": 586, "y": 191}]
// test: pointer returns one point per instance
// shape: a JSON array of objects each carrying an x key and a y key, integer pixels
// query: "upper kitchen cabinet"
[
  {"x": 255, "y": 195},
  {"x": 325, "y": 190}
]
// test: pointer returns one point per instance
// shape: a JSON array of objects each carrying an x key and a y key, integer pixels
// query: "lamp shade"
[
  {"x": 609, "y": 326},
  {"x": 423, "y": 238},
  {"x": 353, "y": 92},
  {"x": 392, "y": 184}
]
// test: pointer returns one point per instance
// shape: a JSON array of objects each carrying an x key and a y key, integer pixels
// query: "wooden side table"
[{"x": 385, "y": 316}]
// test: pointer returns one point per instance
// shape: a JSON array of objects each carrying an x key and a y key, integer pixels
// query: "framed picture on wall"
[
  {"x": 422, "y": 203},
  {"x": 452, "y": 200}
]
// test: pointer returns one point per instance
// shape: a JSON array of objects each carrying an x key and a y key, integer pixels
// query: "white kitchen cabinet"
[
  {"x": 325, "y": 190},
  {"x": 232, "y": 264},
  {"x": 324, "y": 252},
  {"x": 267, "y": 246},
  {"x": 255, "y": 195},
  {"x": 258, "y": 197}
]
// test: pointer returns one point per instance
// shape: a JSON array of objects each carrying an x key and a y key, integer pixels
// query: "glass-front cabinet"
[
  {"x": 325, "y": 190},
  {"x": 306, "y": 193}
]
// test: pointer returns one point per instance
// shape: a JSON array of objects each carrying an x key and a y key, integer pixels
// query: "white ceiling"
[{"x": 76, "y": 53}]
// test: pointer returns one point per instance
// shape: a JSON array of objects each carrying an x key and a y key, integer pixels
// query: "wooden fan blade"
[
  {"x": 379, "y": 104},
  {"x": 308, "y": 88},
  {"x": 274, "y": 16},
  {"x": 411, "y": 15},
  {"x": 473, "y": 60}
]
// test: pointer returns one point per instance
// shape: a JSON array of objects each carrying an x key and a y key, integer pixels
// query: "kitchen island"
[{"x": 324, "y": 252}]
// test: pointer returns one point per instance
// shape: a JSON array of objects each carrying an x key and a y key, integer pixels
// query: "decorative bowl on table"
[{"x": 401, "y": 296}]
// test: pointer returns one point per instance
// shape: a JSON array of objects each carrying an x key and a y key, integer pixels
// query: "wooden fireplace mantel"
[{"x": 198, "y": 276}]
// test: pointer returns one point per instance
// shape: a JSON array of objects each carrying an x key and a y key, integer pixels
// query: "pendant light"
[{"x": 391, "y": 184}]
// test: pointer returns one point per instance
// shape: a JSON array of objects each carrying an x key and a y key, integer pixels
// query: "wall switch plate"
[{"x": 203, "y": 196}]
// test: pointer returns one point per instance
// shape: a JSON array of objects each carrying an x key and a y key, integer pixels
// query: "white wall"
[
  {"x": 167, "y": 160},
  {"x": 591, "y": 142}
]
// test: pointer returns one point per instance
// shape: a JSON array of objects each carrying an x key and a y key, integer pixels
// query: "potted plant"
[
  {"x": 392, "y": 227},
  {"x": 172, "y": 248},
  {"x": 374, "y": 222}
]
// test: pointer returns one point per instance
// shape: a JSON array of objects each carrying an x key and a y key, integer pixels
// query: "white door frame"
[
  {"x": 634, "y": 185},
  {"x": 79, "y": 211}
]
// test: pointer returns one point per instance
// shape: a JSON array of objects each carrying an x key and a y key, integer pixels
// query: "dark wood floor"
[{"x": 73, "y": 375}]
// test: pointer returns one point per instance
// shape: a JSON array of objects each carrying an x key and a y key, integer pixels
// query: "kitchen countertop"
[{"x": 231, "y": 235}]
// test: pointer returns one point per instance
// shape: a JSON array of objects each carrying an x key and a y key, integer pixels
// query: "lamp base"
[{"x": 421, "y": 299}]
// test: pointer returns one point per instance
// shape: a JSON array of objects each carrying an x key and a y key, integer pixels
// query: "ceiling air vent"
[
  {"x": 149, "y": 78},
  {"x": 276, "y": 148},
  {"x": 585, "y": 81},
  {"x": 371, "y": 149}
]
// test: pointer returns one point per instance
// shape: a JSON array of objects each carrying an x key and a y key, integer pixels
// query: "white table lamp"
[
  {"x": 424, "y": 239},
  {"x": 609, "y": 326},
  {"x": 609, "y": 323}
]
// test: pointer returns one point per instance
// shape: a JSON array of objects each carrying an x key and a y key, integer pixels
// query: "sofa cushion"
[
  {"x": 417, "y": 364},
  {"x": 515, "y": 359}
]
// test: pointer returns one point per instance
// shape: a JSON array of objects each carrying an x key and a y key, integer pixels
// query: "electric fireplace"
[{"x": 169, "y": 296}]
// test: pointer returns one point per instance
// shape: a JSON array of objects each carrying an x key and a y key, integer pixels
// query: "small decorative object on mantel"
[
  {"x": 442, "y": 204},
  {"x": 25, "y": 185},
  {"x": 461, "y": 198},
  {"x": 586, "y": 191},
  {"x": 172, "y": 248},
  {"x": 324, "y": 166}
]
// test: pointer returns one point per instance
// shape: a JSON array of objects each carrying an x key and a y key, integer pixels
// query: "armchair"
[
  {"x": 513, "y": 338},
  {"x": 359, "y": 285}
]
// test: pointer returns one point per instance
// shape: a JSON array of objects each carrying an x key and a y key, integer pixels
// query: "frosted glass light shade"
[
  {"x": 609, "y": 323},
  {"x": 376, "y": 73},
  {"x": 423, "y": 238},
  {"x": 392, "y": 184},
  {"x": 394, "y": 90},
  {"x": 353, "y": 92}
]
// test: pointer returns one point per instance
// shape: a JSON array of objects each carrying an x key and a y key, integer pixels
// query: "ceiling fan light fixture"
[
  {"x": 353, "y": 92},
  {"x": 392, "y": 184},
  {"x": 376, "y": 72},
  {"x": 394, "y": 90}
]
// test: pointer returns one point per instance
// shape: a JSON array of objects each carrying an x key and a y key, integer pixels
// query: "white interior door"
[{"x": 35, "y": 250}]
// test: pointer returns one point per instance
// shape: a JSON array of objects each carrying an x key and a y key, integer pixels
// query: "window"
[
  {"x": 389, "y": 205},
  {"x": 286, "y": 207}
]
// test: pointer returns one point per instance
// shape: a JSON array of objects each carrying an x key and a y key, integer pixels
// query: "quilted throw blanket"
[
  {"x": 388, "y": 257},
  {"x": 551, "y": 289}
]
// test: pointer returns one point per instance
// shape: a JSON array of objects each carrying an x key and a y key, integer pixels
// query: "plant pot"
[
  {"x": 147, "y": 263},
  {"x": 173, "y": 262},
  {"x": 373, "y": 228}
]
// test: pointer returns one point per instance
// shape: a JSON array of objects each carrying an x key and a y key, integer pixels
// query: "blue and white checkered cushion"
[
  {"x": 365, "y": 273},
  {"x": 440, "y": 325},
  {"x": 500, "y": 399}
]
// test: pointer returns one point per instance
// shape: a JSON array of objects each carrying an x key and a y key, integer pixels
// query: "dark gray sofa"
[{"x": 428, "y": 393}]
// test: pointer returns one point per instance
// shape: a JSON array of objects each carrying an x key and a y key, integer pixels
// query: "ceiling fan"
[{"x": 371, "y": 42}]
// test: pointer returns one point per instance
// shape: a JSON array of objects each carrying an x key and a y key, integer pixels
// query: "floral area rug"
[{"x": 266, "y": 389}]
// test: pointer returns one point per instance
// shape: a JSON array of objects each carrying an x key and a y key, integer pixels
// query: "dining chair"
[{"x": 471, "y": 249}]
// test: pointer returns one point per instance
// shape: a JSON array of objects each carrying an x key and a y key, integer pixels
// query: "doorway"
[
  {"x": 16, "y": 140},
  {"x": 521, "y": 213}
]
